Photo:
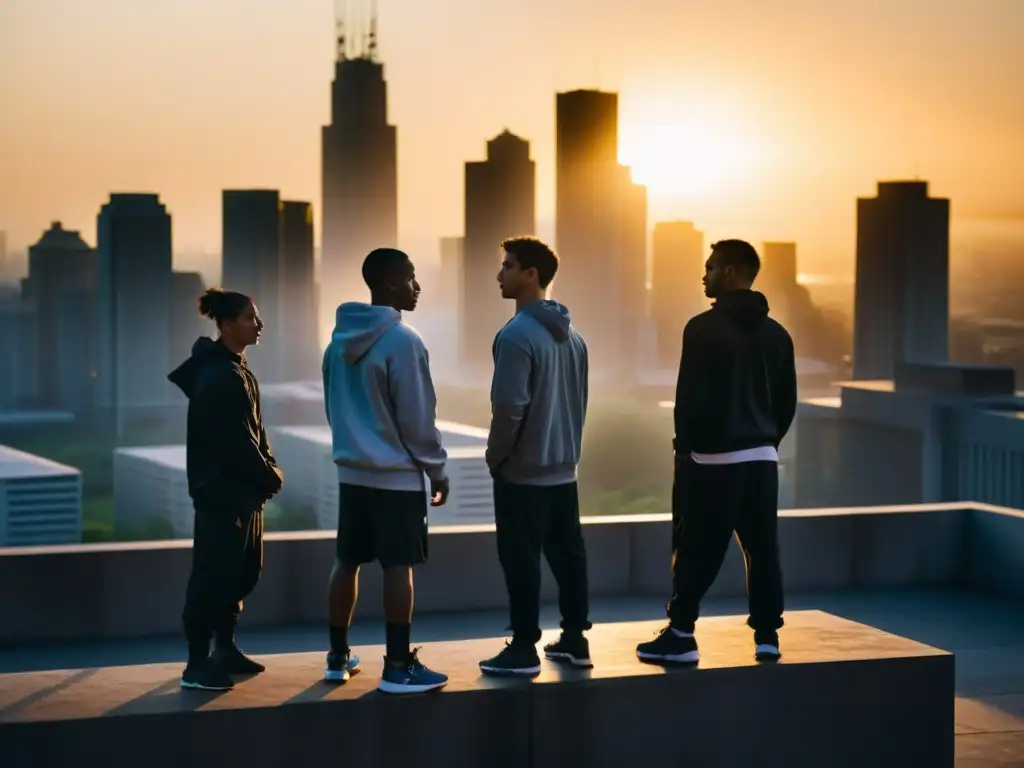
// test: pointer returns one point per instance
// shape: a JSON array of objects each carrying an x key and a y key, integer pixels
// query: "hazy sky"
[{"x": 754, "y": 118}]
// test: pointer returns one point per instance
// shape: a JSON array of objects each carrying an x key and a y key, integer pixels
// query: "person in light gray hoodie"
[
  {"x": 538, "y": 407},
  {"x": 381, "y": 407}
]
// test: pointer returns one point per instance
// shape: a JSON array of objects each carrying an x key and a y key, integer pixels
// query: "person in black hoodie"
[
  {"x": 231, "y": 475},
  {"x": 735, "y": 401}
]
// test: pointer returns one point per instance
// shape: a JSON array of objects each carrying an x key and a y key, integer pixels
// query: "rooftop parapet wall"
[{"x": 105, "y": 591}]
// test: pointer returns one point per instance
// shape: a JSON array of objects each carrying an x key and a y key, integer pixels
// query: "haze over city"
[{"x": 759, "y": 120}]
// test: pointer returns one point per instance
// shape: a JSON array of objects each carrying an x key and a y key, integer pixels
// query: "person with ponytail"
[{"x": 231, "y": 475}]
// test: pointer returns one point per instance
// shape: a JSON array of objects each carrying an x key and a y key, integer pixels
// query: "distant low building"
[
  {"x": 40, "y": 500},
  {"x": 311, "y": 480},
  {"x": 151, "y": 493},
  {"x": 937, "y": 432}
]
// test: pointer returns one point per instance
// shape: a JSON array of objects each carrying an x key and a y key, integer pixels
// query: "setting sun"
[{"x": 685, "y": 155}]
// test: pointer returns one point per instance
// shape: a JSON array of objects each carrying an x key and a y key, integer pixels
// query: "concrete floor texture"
[{"x": 983, "y": 631}]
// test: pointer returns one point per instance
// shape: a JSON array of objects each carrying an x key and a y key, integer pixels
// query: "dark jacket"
[
  {"x": 228, "y": 454},
  {"x": 737, "y": 378}
]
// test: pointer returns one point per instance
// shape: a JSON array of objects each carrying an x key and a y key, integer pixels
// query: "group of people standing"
[{"x": 735, "y": 401}]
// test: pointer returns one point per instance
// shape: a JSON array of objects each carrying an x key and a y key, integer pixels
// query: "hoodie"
[
  {"x": 538, "y": 397},
  {"x": 228, "y": 458},
  {"x": 737, "y": 378},
  {"x": 380, "y": 401}
]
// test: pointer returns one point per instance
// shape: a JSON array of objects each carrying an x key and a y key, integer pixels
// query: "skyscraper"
[
  {"x": 359, "y": 163},
  {"x": 60, "y": 265},
  {"x": 186, "y": 323},
  {"x": 298, "y": 301},
  {"x": 500, "y": 202},
  {"x": 901, "y": 304},
  {"x": 601, "y": 230},
  {"x": 133, "y": 307},
  {"x": 4, "y": 267},
  {"x": 676, "y": 290},
  {"x": 251, "y": 264},
  {"x": 777, "y": 278},
  {"x": 450, "y": 279}
]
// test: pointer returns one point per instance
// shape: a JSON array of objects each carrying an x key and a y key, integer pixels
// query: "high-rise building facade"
[
  {"x": 359, "y": 165},
  {"x": 133, "y": 306},
  {"x": 251, "y": 264},
  {"x": 450, "y": 280},
  {"x": 500, "y": 202},
  {"x": 186, "y": 323},
  {"x": 901, "y": 304},
  {"x": 601, "y": 231},
  {"x": 298, "y": 301},
  {"x": 61, "y": 275},
  {"x": 677, "y": 294},
  {"x": 777, "y": 278}
]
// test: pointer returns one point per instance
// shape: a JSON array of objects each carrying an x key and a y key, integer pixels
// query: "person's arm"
[
  {"x": 691, "y": 388},
  {"x": 784, "y": 396},
  {"x": 510, "y": 397},
  {"x": 325, "y": 370},
  {"x": 223, "y": 403},
  {"x": 412, "y": 393}
]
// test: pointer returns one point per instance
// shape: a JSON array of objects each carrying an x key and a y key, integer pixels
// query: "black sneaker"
[
  {"x": 339, "y": 667},
  {"x": 766, "y": 646},
  {"x": 667, "y": 646},
  {"x": 573, "y": 648},
  {"x": 231, "y": 659},
  {"x": 206, "y": 675},
  {"x": 514, "y": 659}
]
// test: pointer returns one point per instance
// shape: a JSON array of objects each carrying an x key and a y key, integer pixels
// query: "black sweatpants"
[
  {"x": 227, "y": 559},
  {"x": 710, "y": 503},
  {"x": 531, "y": 519}
]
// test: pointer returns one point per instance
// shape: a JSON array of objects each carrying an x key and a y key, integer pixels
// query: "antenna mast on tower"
[
  {"x": 371, "y": 43},
  {"x": 355, "y": 28},
  {"x": 339, "y": 29}
]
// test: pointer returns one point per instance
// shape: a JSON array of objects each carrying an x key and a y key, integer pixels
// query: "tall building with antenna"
[{"x": 359, "y": 161}]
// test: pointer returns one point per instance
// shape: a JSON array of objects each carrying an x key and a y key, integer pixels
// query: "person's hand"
[
  {"x": 276, "y": 480},
  {"x": 439, "y": 492}
]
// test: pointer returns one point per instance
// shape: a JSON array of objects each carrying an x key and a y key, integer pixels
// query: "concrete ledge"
[
  {"x": 106, "y": 591},
  {"x": 843, "y": 695}
]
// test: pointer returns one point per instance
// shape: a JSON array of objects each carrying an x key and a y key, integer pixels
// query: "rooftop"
[
  {"x": 172, "y": 456},
  {"x": 15, "y": 464},
  {"x": 950, "y": 576}
]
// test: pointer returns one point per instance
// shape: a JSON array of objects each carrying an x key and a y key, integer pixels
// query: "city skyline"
[{"x": 821, "y": 159}]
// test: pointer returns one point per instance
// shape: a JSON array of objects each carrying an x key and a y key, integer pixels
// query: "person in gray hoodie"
[
  {"x": 538, "y": 406},
  {"x": 381, "y": 407}
]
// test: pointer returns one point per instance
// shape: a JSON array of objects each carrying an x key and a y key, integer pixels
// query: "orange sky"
[{"x": 771, "y": 117}]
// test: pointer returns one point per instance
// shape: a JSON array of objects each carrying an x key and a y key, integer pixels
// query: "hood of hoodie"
[
  {"x": 358, "y": 326},
  {"x": 553, "y": 316},
  {"x": 747, "y": 309},
  {"x": 203, "y": 351}
]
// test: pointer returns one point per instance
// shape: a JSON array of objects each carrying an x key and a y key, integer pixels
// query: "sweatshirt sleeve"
[
  {"x": 224, "y": 404},
  {"x": 325, "y": 370},
  {"x": 412, "y": 392},
  {"x": 784, "y": 396},
  {"x": 510, "y": 397},
  {"x": 691, "y": 388}
]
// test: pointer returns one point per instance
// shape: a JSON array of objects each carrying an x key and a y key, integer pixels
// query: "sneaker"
[
  {"x": 339, "y": 667},
  {"x": 669, "y": 646},
  {"x": 234, "y": 662},
  {"x": 411, "y": 677},
  {"x": 766, "y": 646},
  {"x": 573, "y": 648},
  {"x": 206, "y": 676},
  {"x": 514, "y": 659}
]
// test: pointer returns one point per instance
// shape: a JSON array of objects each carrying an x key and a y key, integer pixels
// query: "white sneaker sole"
[
  {"x": 517, "y": 672},
  {"x": 576, "y": 662},
  {"x": 767, "y": 653},
  {"x": 690, "y": 657},
  {"x": 201, "y": 687},
  {"x": 337, "y": 675},
  {"x": 398, "y": 688}
]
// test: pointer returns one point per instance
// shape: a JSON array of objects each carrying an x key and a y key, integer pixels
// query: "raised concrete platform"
[{"x": 844, "y": 695}]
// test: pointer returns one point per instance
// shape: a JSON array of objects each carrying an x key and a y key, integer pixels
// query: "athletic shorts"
[{"x": 376, "y": 524}]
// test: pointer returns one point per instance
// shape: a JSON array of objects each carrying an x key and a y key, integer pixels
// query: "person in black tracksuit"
[
  {"x": 735, "y": 401},
  {"x": 231, "y": 475}
]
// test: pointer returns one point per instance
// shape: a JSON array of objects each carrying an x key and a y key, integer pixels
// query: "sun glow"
[{"x": 686, "y": 155}]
